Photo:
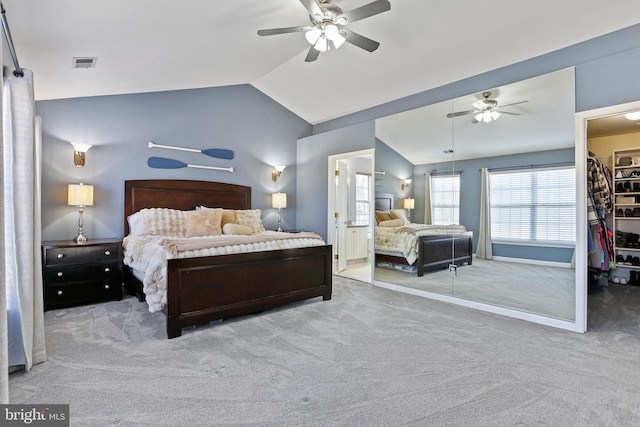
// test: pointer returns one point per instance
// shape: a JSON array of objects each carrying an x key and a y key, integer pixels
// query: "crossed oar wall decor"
[{"x": 165, "y": 163}]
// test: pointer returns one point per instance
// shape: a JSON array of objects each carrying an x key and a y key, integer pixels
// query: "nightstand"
[{"x": 76, "y": 274}]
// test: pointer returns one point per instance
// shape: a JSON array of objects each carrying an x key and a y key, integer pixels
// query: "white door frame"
[
  {"x": 581, "y": 215},
  {"x": 331, "y": 186}
]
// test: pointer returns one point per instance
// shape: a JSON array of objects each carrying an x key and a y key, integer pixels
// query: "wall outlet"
[{"x": 453, "y": 270}]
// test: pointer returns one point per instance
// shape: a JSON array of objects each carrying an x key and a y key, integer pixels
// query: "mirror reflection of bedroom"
[{"x": 492, "y": 196}]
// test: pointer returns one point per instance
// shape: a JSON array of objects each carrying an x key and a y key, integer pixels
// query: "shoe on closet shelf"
[
  {"x": 627, "y": 187},
  {"x": 628, "y": 212},
  {"x": 619, "y": 212},
  {"x": 633, "y": 278},
  {"x": 634, "y": 174},
  {"x": 619, "y": 187},
  {"x": 619, "y": 259},
  {"x": 621, "y": 174},
  {"x": 628, "y": 260},
  {"x": 615, "y": 279},
  {"x": 623, "y": 281}
]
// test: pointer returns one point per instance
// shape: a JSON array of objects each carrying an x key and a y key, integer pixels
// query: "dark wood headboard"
[
  {"x": 384, "y": 201},
  {"x": 182, "y": 195}
]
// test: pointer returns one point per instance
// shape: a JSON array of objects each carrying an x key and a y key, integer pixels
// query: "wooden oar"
[
  {"x": 164, "y": 163},
  {"x": 219, "y": 153}
]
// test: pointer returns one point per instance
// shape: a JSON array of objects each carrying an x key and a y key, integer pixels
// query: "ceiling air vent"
[{"x": 84, "y": 62}]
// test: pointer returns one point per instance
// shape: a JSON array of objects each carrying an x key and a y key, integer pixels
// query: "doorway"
[
  {"x": 350, "y": 213},
  {"x": 605, "y": 136}
]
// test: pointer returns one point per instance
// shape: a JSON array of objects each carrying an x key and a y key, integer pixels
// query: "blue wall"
[
  {"x": 260, "y": 131},
  {"x": 396, "y": 168}
]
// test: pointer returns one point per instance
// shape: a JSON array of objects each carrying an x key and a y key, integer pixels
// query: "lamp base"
[{"x": 80, "y": 238}]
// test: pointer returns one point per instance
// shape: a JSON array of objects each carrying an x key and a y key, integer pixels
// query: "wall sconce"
[
  {"x": 408, "y": 205},
  {"x": 80, "y": 195},
  {"x": 276, "y": 172},
  {"x": 79, "y": 152},
  {"x": 279, "y": 201},
  {"x": 405, "y": 183}
]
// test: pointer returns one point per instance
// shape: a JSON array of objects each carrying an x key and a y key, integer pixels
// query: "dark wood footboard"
[
  {"x": 210, "y": 288},
  {"x": 434, "y": 252}
]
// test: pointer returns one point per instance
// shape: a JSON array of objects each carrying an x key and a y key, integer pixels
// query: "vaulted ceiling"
[{"x": 157, "y": 45}]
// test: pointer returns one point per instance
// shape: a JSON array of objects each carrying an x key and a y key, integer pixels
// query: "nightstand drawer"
[
  {"x": 73, "y": 273},
  {"x": 69, "y": 294},
  {"x": 82, "y": 254}
]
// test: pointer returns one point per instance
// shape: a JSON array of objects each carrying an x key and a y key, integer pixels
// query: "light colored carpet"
[
  {"x": 368, "y": 357},
  {"x": 549, "y": 291}
]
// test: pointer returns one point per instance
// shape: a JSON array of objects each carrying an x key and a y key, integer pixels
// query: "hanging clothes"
[{"x": 599, "y": 204}]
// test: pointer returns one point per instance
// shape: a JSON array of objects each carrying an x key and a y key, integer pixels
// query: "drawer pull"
[
  {"x": 106, "y": 286},
  {"x": 59, "y": 293},
  {"x": 60, "y": 274},
  {"x": 107, "y": 253},
  {"x": 60, "y": 256},
  {"x": 106, "y": 269}
]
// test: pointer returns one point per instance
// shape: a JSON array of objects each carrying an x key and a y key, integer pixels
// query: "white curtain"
[
  {"x": 427, "y": 198},
  {"x": 23, "y": 270},
  {"x": 484, "y": 250}
]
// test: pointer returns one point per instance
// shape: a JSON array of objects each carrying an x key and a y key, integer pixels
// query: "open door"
[{"x": 341, "y": 214}]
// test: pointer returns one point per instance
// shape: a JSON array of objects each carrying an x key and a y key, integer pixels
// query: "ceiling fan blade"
[
  {"x": 274, "y": 31},
  {"x": 515, "y": 103},
  {"x": 507, "y": 112},
  {"x": 479, "y": 104},
  {"x": 312, "y": 55},
  {"x": 312, "y": 7},
  {"x": 460, "y": 113},
  {"x": 360, "y": 41},
  {"x": 366, "y": 11}
]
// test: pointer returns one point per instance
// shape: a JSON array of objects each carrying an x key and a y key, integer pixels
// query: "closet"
[{"x": 613, "y": 203}]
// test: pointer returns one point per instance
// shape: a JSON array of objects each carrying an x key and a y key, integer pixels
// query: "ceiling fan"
[
  {"x": 486, "y": 109},
  {"x": 328, "y": 26}
]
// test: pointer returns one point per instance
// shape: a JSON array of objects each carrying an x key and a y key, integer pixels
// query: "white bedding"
[
  {"x": 147, "y": 253},
  {"x": 403, "y": 241}
]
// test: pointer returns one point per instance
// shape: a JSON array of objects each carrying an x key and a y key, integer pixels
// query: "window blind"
[
  {"x": 533, "y": 205},
  {"x": 445, "y": 199}
]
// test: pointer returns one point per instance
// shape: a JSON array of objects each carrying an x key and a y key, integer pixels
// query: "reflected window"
[
  {"x": 363, "y": 183},
  {"x": 445, "y": 199},
  {"x": 533, "y": 205}
]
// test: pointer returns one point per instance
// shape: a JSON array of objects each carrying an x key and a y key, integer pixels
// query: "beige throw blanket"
[{"x": 173, "y": 246}]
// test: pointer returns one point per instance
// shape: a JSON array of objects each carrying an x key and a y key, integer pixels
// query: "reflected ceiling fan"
[
  {"x": 328, "y": 26},
  {"x": 486, "y": 109}
]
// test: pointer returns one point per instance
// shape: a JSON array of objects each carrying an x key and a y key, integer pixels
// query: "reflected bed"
[{"x": 417, "y": 248}]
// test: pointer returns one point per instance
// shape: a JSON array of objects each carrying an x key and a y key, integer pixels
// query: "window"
[
  {"x": 363, "y": 182},
  {"x": 534, "y": 205},
  {"x": 445, "y": 199}
]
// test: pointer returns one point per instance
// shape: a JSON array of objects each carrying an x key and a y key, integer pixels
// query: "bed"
[
  {"x": 206, "y": 288},
  {"x": 434, "y": 247}
]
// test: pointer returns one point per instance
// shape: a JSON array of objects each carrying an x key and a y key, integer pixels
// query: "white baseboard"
[{"x": 533, "y": 261}]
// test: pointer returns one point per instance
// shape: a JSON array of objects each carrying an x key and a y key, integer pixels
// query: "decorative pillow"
[
  {"x": 399, "y": 214},
  {"x": 158, "y": 221},
  {"x": 204, "y": 223},
  {"x": 251, "y": 218},
  {"x": 391, "y": 223},
  {"x": 231, "y": 228},
  {"x": 136, "y": 224},
  {"x": 228, "y": 215},
  {"x": 382, "y": 216}
]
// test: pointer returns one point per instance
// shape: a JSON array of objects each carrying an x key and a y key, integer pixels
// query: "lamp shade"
[
  {"x": 279, "y": 200},
  {"x": 409, "y": 203},
  {"x": 80, "y": 195}
]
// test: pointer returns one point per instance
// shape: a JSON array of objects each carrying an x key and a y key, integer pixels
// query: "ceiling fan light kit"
[
  {"x": 328, "y": 30},
  {"x": 485, "y": 110}
]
